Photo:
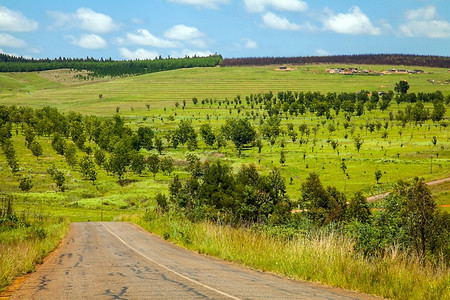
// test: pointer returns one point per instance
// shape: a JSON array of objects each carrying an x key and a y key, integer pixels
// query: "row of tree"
[
  {"x": 294, "y": 103},
  {"x": 101, "y": 68},
  {"x": 358, "y": 59}
]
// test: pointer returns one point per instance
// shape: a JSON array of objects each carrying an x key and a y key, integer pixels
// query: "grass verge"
[
  {"x": 324, "y": 257},
  {"x": 24, "y": 247}
]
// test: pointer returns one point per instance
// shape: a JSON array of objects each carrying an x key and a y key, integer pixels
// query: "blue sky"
[{"x": 234, "y": 28}]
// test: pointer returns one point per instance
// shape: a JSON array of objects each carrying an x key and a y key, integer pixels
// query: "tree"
[
  {"x": 145, "y": 137},
  {"x": 70, "y": 153},
  {"x": 137, "y": 163},
  {"x": 57, "y": 177},
  {"x": 159, "y": 145},
  {"x": 153, "y": 164},
  {"x": 438, "y": 111},
  {"x": 87, "y": 168},
  {"x": 242, "y": 133},
  {"x": 282, "y": 157},
  {"x": 58, "y": 143},
  {"x": 434, "y": 140},
  {"x": 99, "y": 156},
  {"x": 207, "y": 134},
  {"x": 10, "y": 154},
  {"x": 29, "y": 135},
  {"x": 162, "y": 202},
  {"x": 344, "y": 168},
  {"x": 166, "y": 165},
  {"x": 358, "y": 143},
  {"x": 334, "y": 144},
  {"x": 36, "y": 148},
  {"x": 420, "y": 215},
  {"x": 402, "y": 87},
  {"x": 378, "y": 175},
  {"x": 358, "y": 208},
  {"x": 25, "y": 184},
  {"x": 120, "y": 160},
  {"x": 271, "y": 128}
]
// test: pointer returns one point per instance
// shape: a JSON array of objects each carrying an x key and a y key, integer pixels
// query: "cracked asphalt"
[{"x": 122, "y": 261}]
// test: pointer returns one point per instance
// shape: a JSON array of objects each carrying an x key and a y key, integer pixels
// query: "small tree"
[
  {"x": 162, "y": 202},
  {"x": 401, "y": 87},
  {"x": 358, "y": 143},
  {"x": 36, "y": 148},
  {"x": 166, "y": 165},
  {"x": 153, "y": 164},
  {"x": 87, "y": 168},
  {"x": 378, "y": 175},
  {"x": 25, "y": 184},
  {"x": 282, "y": 157},
  {"x": 334, "y": 144},
  {"x": 70, "y": 153},
  {"x": 99, "y": 156},
  {"x": 57, "y": 177},
  {"x": 137, "y": 163},
  {"x": 159, "y": 145},
  {"x": 420, "y": 215},
  {"x": 358, "y": 208}
]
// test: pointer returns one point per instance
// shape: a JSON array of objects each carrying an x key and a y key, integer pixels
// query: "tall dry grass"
[
  {"x": 22, "y": 249},
  {"x": 324, "y": 257}
]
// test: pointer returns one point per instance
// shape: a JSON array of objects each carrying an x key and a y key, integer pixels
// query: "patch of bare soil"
[{"x": 69, "y": 77}]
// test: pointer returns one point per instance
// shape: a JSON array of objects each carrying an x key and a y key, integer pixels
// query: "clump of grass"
[
  {"x": 324, "y": 257},
  {"x": 23, "y": 247}
]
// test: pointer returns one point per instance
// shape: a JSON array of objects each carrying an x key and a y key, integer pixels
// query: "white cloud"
[
  {"x": 321, "y": 52},
  {"x": 248, "y": 43},
  {"x": 138, "y": 54},
  {"x": 84, "y": 18},
  {"x": 95, "y": 22},
  {"x": 424, "y": 22},
  {"x": 7, "y": 40},
  {"x": 189, "y": 35},
  {"x": 189, "y": 52},
  {"x": 355, "y": 22},
  {"x": 145, "y": 38},
  {"x": 273, "y": 21},
  {"x": 11, "y": 20},
  {"x": 211, "y": 4},
  {"x": 90, "y": 41},
  {"x": 183, "y": 33},
  {"x": 424, "y": 13},
  {"x": 260, "y": 6}
]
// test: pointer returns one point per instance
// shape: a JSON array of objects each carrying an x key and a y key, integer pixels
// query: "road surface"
[{"x": 122, "y": 261}]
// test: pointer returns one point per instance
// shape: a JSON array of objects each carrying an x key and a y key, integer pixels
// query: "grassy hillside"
[{"x": 164, "y": 89}]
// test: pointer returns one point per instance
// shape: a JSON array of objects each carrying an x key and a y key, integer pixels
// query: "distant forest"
[
  {"x": 363, "y": 59},
  {"x": 108, "y": 67}
]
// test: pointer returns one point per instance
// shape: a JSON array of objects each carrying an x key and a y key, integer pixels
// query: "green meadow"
[{"x": 405, "y": 153}]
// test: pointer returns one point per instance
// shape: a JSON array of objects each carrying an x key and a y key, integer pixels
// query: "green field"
[
  {"x": 399, "y": 151},
  {"x": 164, "y": 89},
  {"x": 406, "y": 152}
]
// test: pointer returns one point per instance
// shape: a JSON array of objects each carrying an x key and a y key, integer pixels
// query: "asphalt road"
[{"x": 122, "y": 261}]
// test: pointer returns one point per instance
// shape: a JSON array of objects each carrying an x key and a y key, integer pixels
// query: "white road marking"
[{"x": 170, "y": 270}]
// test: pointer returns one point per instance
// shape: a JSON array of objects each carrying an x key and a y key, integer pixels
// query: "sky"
[{"x": 142, "y": 29}]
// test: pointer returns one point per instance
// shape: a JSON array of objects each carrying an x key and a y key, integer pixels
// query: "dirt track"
[
  {"x": 384, "y": 195},
  {"x": 121, "y": 261}
]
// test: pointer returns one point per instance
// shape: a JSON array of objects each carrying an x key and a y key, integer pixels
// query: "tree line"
[
  {"x": 361, "y": 59},
  {"x": 108, "y": 67}
]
